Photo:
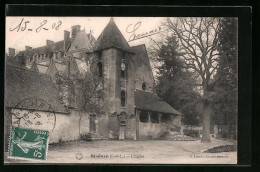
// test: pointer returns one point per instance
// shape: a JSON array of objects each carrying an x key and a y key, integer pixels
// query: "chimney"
[
  {"x": 66, "y": 39},
  {"x": 11, "y": 51},
  {"x": 49, "y": 43},
  {"x": 74, "y": 30},
  {"x": 21, "y": 59},
  {"x": 27, "y": 48}
]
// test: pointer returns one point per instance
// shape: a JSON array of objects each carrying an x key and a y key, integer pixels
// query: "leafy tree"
[
  {"x": 175, "y": 83},
  {"x": 225, "y": 85},
  {"x": 198, "y": 39}
]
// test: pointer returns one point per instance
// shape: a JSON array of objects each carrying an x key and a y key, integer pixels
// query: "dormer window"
[
  {"x": 100, "y": 69},
  {"x": 144, "y": 86}
]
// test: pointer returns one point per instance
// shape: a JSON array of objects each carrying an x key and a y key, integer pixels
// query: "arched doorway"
[{"x": 122, "y": 119}]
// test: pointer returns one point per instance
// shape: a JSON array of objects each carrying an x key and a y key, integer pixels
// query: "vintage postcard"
[{"x": 121, "y": 90}]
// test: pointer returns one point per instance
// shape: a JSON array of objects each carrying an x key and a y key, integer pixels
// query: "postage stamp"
[
  {"x": 121, "y": 89},
  {"x": 28, "y": 144}
]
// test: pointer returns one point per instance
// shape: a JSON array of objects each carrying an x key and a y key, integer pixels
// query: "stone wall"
[
  {"x": 151, "y": 130},
  {"x": 102, "y": 126},
  {"x": 112, "y": 59},
  {"x": 67, "y": 126},
  {"x": 113, "y": 127},
  {"x": 70, "y": 127}
]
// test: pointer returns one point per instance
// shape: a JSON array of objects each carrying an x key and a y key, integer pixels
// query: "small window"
[
  {"x": 100, "y": 70},
  {"x": 154, "y": 118},
  {"x": 144, "y": 86},
  {"x": 144, "y": 116},
  {"x": 123, "y": 98}
]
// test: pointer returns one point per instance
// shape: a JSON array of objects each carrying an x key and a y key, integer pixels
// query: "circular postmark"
[
  {"x": 33, "y": 113},
  {"x": 79, "y": 156}
]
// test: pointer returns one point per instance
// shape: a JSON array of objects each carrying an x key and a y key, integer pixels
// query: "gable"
[{"x": 143, "y": 70}]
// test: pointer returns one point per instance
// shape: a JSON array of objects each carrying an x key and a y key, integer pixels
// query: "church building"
[{"x": 127, "y": 83}]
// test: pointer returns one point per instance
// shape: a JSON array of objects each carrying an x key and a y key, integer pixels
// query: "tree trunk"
[{"x": 206, "y": 122}]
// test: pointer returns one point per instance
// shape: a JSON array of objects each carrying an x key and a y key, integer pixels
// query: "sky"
[{"x": 19, "y": 37}]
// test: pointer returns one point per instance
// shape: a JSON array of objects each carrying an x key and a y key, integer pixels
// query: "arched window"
[
  {"x": 100, "y": 70},
  {"x": 123, "y": 98},
  {"x": 123, "y": 70},
  {"x": 144, "y": 86}
]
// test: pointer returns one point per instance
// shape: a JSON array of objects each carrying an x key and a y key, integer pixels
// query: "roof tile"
[
  {"x": 111, "y": 37},
  {"x": 22, "y": 84},
  {"x": 150, "y": 101}
]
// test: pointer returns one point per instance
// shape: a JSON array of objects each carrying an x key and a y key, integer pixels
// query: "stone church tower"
[{"x": 114, "y": 65}]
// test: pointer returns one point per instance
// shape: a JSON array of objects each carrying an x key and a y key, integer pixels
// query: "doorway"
[{"x": 122, "y": 130}]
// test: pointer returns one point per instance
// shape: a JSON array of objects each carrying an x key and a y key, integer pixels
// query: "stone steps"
[{"x": 93, "y": 136}]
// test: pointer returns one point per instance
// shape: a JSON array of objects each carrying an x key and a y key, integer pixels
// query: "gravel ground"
[{"x": 139, "y": 152}]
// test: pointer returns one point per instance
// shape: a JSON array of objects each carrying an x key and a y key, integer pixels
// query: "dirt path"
[{"x": 141, "y": 152}]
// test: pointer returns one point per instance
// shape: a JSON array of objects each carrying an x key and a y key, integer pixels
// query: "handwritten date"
[{"x": 25, "y": 25}]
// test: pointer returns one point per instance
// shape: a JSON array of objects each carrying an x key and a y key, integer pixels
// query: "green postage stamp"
[{"x": 28, "y": 144}]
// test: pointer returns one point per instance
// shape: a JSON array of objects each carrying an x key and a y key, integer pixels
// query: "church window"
[
  {"x": 144, "y": 116},
  {"x": 144, "y": 86},
  {"x": 123, "y": 98},
  {"x": 100, "y": 69}
]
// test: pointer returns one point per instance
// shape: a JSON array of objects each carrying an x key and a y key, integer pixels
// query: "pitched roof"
[
  {"x": 91, "y": 38},
  {"x": 21, "y": 84},
  {"x": 38, "y": 50},
  {"x": 82, "y": 41},
  {"x": 142, "y": 63},
  {"x": 111, "y": 37},
  {"x": 57, "y": 46},
  {"x": 150, "y": 101},
  {"x": 141, "y": 56}
]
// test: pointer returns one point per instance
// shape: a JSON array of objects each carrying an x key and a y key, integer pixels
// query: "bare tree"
[
  {"x": 84, "y": 92},
  {"x": 198, "y": 38}
]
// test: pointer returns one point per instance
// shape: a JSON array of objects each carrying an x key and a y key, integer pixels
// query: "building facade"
[{"x": 125, "y": 80}]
